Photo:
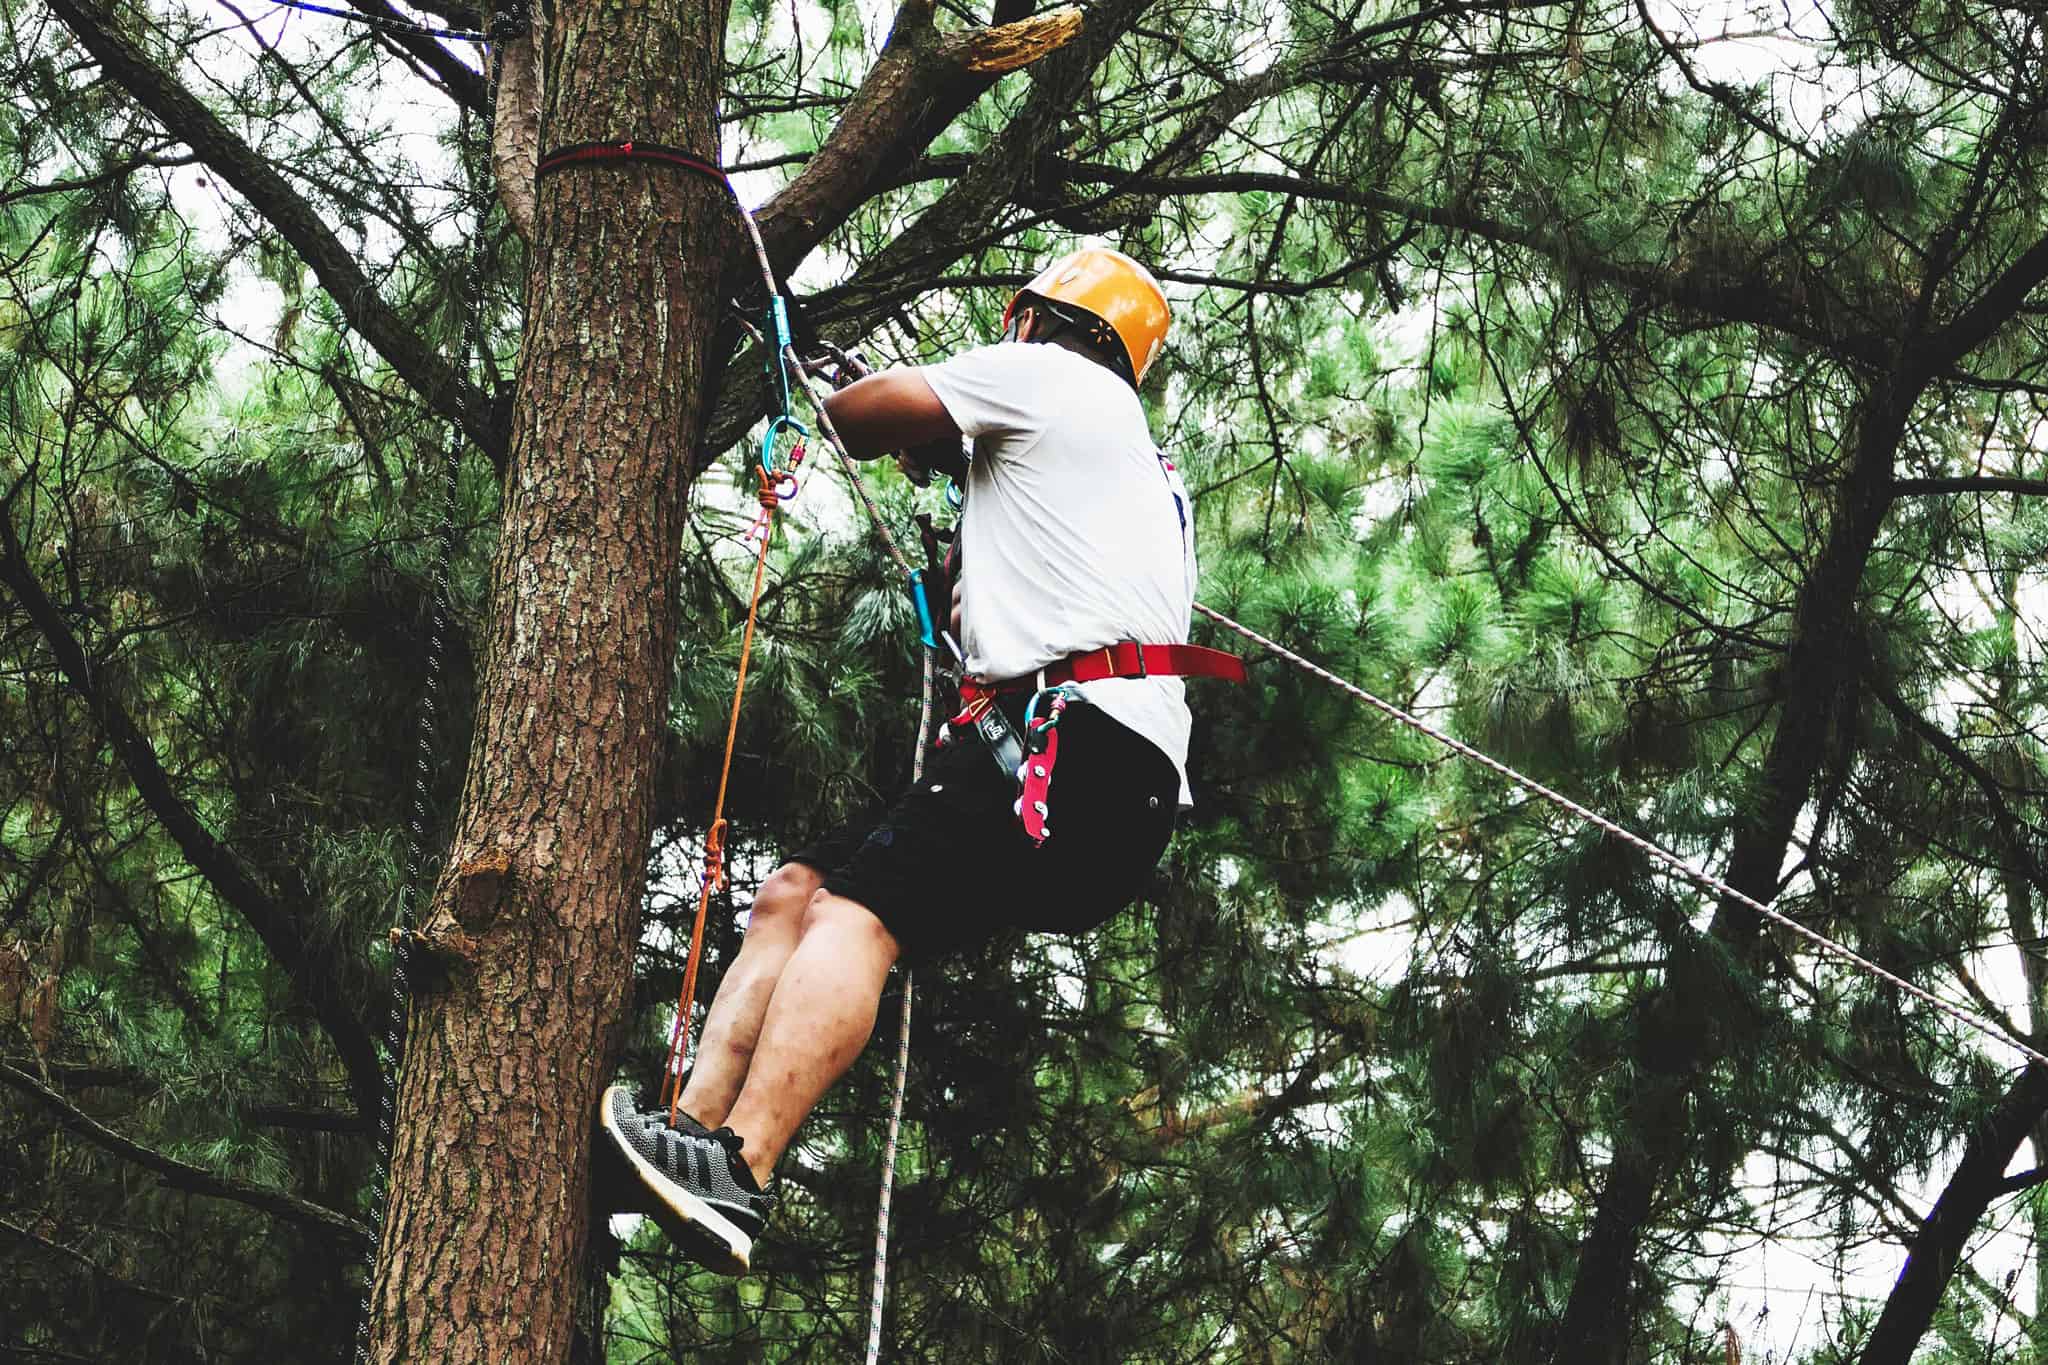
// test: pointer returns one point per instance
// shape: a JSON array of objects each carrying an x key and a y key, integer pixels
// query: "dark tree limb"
[
  {"x": 185, "y": 117},
  {"x": 464, "y": 85},
  {"x": 307, "y": 962},
  {"x": 923, "y": 80},
  {"x": 961, "y": 217},
  {"x": 181, "y": 1176},
  {"x": 120, "y": 170},
  {"x": 1998, "y": 304},
  {"x": 2025, "y": 1180},
  {"x": 1823, "y": 665},
  {"x": 1937, "y": 1249},
  {"x": 305, "y": 1120}
]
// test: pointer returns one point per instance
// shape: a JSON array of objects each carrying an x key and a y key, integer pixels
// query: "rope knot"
[
  {"x": 771, "y": 492},
  {"x": 714, "y": 855}
]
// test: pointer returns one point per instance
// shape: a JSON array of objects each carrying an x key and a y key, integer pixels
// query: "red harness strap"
[
  {"x": 1129, "y": 659},
  {"x": 1124, "y": 659}
]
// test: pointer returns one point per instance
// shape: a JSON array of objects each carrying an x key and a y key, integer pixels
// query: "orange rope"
[{"x": 714, "y": 838}]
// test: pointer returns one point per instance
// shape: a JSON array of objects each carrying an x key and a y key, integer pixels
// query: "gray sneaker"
[{"x": 693, "y": 1183}]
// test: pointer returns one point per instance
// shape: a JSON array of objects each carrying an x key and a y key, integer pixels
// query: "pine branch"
[
  {"x": 1727, "y": 297},
  {"x": 2017, "y": 834},
  {"x": 186, "y": 118},
  {"x": 120, "y": 170},
  {"x": 181, "y": 1176},
  {"x": 2025, "y": 1180},
  {"x": 88, "y": 1264},
  {"x": 960, "y": 218},
  {"x": 305, "y": 1120},
  {"x": 306, "y": 960},
  {"x": 2002, "y": 300}
]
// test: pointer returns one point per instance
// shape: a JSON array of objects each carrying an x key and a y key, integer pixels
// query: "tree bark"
[{"x": 533, "y": 921}]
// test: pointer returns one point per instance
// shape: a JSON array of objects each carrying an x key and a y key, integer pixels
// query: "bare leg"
[
  {"x": 734, "y": 1022},
  {"x": 818, "y": 1020}
]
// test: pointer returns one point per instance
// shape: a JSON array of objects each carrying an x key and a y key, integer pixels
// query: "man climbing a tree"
[{"x": 1075, "y": 616}]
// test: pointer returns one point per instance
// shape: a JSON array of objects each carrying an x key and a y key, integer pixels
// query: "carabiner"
[
  {"x": 779, "y": 423},
  {"x": 1062, "y": 696}
]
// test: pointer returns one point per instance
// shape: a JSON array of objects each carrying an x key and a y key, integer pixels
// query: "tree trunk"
[
  {"x": 1654, "y": 1135},
  {"x": 531, "y": 929}
]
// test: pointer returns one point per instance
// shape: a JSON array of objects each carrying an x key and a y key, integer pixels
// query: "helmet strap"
[{"x": 1076, "y": 330}]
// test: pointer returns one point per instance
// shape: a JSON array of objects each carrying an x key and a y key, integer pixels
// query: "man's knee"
[
  {"x": 825, "y": 910},
  {"x": 781, "y": 901}
]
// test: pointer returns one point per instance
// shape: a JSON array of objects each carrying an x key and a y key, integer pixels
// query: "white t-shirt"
[{"x": 1077, "y": 532}]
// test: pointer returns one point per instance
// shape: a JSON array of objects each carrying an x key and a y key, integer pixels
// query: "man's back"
[{"x": 1076, "y": 532}]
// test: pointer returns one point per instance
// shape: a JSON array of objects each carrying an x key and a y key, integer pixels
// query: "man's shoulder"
[{"x": 1031, "y": 357}]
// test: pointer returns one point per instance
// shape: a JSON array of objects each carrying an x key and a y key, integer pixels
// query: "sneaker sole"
[{"x": 693, "y": 1225}]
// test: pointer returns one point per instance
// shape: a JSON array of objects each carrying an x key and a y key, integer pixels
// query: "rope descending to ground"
[
  {"x": 762, "y": 533},
  {"x": 429, "y": 728},
  {"x": 1671, "y": 860}
]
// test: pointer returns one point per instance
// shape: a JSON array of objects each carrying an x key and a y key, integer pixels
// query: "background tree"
[{"x": 1672, "y": 434}]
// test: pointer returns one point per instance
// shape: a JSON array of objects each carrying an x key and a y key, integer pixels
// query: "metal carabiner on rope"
[{"x": 776, "y": 426}]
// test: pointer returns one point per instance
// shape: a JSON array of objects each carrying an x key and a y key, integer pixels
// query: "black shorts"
[{"x": 948, "y": 865}]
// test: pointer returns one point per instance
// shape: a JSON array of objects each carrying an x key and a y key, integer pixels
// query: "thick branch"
[
  {"x": 188, "y": 119},
  {"x": 307, "y": 963},
  {"x": 2025, "y": 1180},
  {"x": 305, "y": 1120},
  {"x": 963, "y": 214},
  {"x": 2001, "y": 300},
  {"x": 464, "y": 84},
  {"x": 180, "y": 1176},
  {"x": 1727, "y": 297},
  {"x": 922, "y": 81},
  {"x": 1937, "y": 1249}
]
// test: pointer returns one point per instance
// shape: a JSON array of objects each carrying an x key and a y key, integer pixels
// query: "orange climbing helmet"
[{"x": 1115, "y": 291}]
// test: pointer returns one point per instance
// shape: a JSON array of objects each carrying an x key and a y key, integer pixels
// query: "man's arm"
[{"x": 892, "y": 411}]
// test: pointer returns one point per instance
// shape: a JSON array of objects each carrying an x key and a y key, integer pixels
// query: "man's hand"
[
  {"x": 942, "y": 456},
  {"x": 891, "y": 411}
]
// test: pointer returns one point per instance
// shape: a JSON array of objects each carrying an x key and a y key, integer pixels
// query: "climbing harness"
[
  {"x": 1042, "y": 735},
  {"x": 1029, "y": 759}
]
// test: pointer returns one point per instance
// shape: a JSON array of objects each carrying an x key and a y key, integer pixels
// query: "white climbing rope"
[{"x": 1635, "y": 841}]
